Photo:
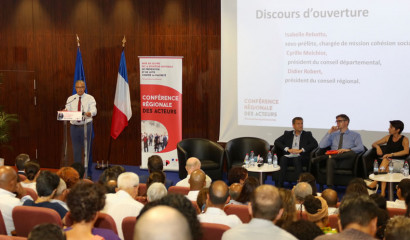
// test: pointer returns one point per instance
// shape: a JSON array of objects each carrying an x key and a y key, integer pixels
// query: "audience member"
[
  {"x": 201, "y": 199},
  {"x": 69, "y": 175},
  {"x": 156, "y": 164},
  {"x": 216, "y": 199},
  {"x": 379, "y": 200},
  {"x": 84, "y": 201},
  {"x": 403, "y": 189},
  {"x": 331, "y": 199},
  {"x": 123, "y": 204},
  {"x": 196, "y": 183},
  {"x": 304, "y": 230},
  {"x": 154, "y": 177},
  {"x": 184, "y": 206},
  {"x": 289, "y": 214},
  {"x": 21, "y": 161},
  {"x": 234, "y": 192},
  {"x": 301, "y": 191},
  {"x": 250, "y": 184},
  {"x": 317, "y": 212},
  {"x": 237, "y": 175},
  {"x": 156, "y": 191},
  {"x": 398, "y": 228},
  {"x": 173, "y": 225},
  {"x": 382, "y": 219},
  {"x": 79, "y": 167},
  {"x": 357, "y": 186},
  {"x": 192, "y": 164},
  {"x": 358, "y": 218},
  {"x": 47, "y": 183},
  {"x": 265, "y": 208},
  {"x": 309, "y": 178},
  {"x": 407, "y": 200},
  {"x": 109, "y": 177},
  {"x": 47, "y": 231},
  {"x": 61, "y": 194},
  {"x": 32, "y": 169},
  {"x": 8, "y": 199}
]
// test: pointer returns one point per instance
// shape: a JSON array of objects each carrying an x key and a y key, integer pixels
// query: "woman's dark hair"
[
  {"x": 236, "y": 174},
  {"x": 84, "y": 201},
  {"x": 397, "y": 124},
  {"x": 358, "y": 186},
  {"x": 312, "y": 204},
  {"x": 250, "y": 184},
  {"x": 31, "y": 169},
  {"x": 184, "y": 206},
  {"x": 201, "y": 198},
  {"x": 309, "y": 178},
  {"x": 379, "y": 200},
  {"x": 382, "y": 219},
  {"x": 407, "y": 200},
  {"x": 156, "y": 177},
  {"x": 304, "y": 230}
]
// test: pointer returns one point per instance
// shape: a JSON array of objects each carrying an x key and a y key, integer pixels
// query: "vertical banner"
[{"x": 161, "y": 109}]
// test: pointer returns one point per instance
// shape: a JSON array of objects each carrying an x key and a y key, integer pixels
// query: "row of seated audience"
[{"x": 300, "y": 213}]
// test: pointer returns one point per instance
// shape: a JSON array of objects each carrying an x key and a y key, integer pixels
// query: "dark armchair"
[
  {"x": 209, "y": 153},
  {"x": 237, "y": 148}
]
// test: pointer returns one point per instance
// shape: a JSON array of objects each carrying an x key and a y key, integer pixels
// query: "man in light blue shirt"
[{"x": 347, "y": 144}]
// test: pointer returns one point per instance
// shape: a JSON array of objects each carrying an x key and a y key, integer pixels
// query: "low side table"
[{"x": 263, "y": 169}]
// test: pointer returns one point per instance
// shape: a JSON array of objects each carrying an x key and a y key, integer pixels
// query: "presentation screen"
[{"x": 314, "y": 59}]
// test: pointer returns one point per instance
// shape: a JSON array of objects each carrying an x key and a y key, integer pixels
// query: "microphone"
[{"x": 69, "y": 103}]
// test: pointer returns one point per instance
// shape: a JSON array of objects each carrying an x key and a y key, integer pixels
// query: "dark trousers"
[
  {"x": 341, "y": 161},
  {"x": 284, "y": 162},
  {"x": 77, "y": 141}
]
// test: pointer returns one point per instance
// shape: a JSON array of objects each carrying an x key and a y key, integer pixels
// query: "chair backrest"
[
  {"x": 5, "y": 237},
  {"x": 333, "y": 221},
  {"x": 128, "y": 225},
  {"x": 239, "y": 210},
  {"x": 142, "y": 189},
  {"x": 213, "y": 231},
  {"x": 237, "y": 148},
  {"x": 103, "y": 221},
  {"x": 396, "y": 212},
  {"x": 32, "y": 193},
  {"x": 178, "y": 189},
  {"x": 27, "y": 217},
  {"x": 3, "y": 230}
]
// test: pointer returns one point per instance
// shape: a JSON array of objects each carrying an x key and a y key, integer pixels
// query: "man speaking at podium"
[{"x": 86, "y": 104}]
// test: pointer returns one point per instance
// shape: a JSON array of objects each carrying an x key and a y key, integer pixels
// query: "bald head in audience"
[
  {"x": 218, "y": 195},
  {"x": 192, "y": 164},
  {"x": 301, "y": 191},
  {"x": 8, "y": 179},
  {"x": 330, "y": 196},
  {"x": 197, "y": 180},
  {"x": 234, "y": 190},
  {"x": 173, "y": 225},
  {"x": 266, "y": 203}
]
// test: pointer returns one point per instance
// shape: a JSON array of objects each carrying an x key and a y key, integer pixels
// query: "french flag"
[{"x": 122, "y": 102}]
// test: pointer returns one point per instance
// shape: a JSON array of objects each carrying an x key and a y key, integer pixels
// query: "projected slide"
[{"x": 317, "y": 59}]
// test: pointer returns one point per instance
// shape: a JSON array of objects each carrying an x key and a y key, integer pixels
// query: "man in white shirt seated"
[
  {"x": 122, "y": 203},
  {"x": 192, "y": 164},
  {"x": 8, "y": 200},
  {"x": 216, "y": 199},
  {"x": 331, "y": 198},
  {"x": 265, "y": 208},
  {"x": 196, "y": 182},
  {"x": 156, "y": 191},
  {"x": 403, "y": 188},
  {"x": 301, "y": 191}
]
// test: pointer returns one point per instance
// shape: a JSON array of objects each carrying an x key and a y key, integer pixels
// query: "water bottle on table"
[
  {"x": 252, "y": 159},
  {"x": 246, "y": 160},
  {"x": 270, "y": 158},
  {"x": 406, "y": 169},
  {"x": 275, "y": 160},
  {"x": 390, "y": 166},
  {"x": 375, "y": 167}
]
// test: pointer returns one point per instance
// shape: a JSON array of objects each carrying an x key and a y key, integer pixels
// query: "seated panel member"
[
  {"x": 347, "y": 143},
  {"x": 296, "y": 146}
]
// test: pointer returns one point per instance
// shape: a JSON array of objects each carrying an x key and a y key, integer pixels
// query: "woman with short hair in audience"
[
  {"x": 237, "y": 175},
  {"x": 85, "y": 200},
  {"x": 69, "y": 175},
  {"x": 250, "y": 184},
  {"x": 357, "y": 186},
  {"x": 317, "y": 212},
  {"x": 32, "y": 170},
  {"x": 289, "y": 214}
]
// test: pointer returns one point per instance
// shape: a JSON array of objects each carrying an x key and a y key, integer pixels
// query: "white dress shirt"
[
  {"x": 216, "y": 215},
  {"x": 192, "y": 195},
  {"x": 31, "y": 185},
  {"x": 396, "y": 204},
  {"x": 88, "y": 104},
  {"x": 257, "y": 229},
  {"x": 185, "y": 183},
  {"x": 8, "y": 201},
  {"x": 120, "y": 205}
]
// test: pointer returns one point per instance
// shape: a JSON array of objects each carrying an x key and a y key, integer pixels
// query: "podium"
[{"x": 66, "y": 116}]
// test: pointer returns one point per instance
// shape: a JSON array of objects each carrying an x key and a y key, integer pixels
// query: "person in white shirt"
[
  {"x": 403, "y": 189},
  {"x": 301, "y": 190},
  {"x": 122, "y": 203},
  {"x": 196, "y": 183},
  {"x": 265, "y": 208},
  {"x": 87, "y": 105},
  {"x": 156, "y": 191},
  {"x": 192, "y": 164},
  {"x": 8, "y": 200},
  {"x": 216, "y": 199},
  {"x": 61, "y": 194}
]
